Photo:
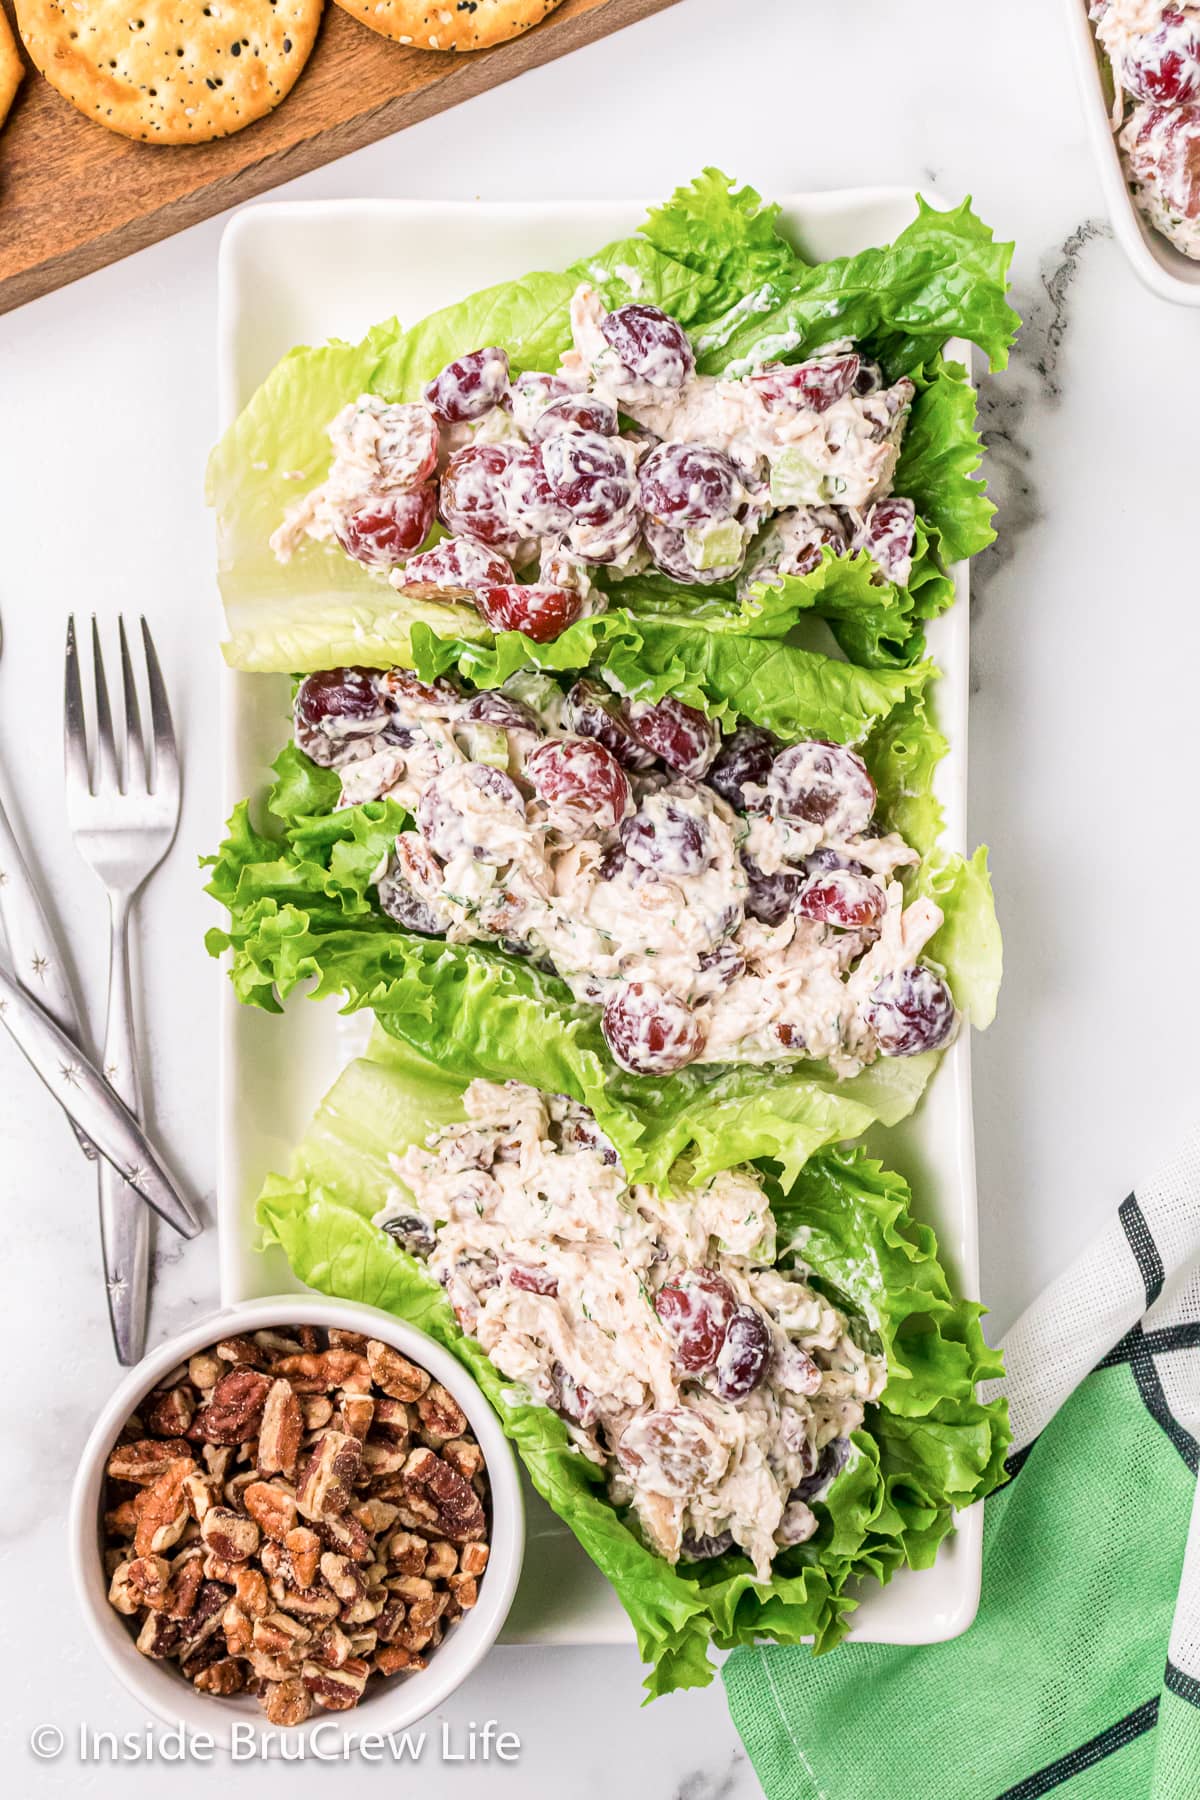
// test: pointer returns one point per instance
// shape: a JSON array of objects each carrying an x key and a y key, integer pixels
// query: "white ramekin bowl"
[{"x": 389, "y": 1705}]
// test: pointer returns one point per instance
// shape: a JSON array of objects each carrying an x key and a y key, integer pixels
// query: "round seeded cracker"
[
  {"x": 11, "y": 67},
  {"x": 449, "y": 24},
  {"x": 171, "y": 71}
]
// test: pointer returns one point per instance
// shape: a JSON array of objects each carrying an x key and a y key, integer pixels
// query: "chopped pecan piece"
[
  {"x": 200, "y": 1493},
  {"x": 287, "y": 1702},
  {"x": 328, "y": 1479},
  {"x": 407, "y": 1553},
  {"x": 186, "y": 1578},
  {"x": 225, "y": 1676},
  {"x": 235, "y": 1409},
  {"x": 332, "y": 1648},
  {"x": 473, "y": 1559},
  {"x": 356, "y": 1412},
  {"x": 381, "y": 1459},
  {"x": 281, "y": 1638},
  {"x": 144, "y": 1461},
  {"x": 317, "y": 1410},
  {"x": 394, "y": 1373},
  {"x": 238, "y": 1628},
  {"x": 243, "y": 1351},
  {"x": 171, "y": 1413},
  {"x": 342, "y": 1576},
  {"x": 442, "y": 1562},
  {"x": 252, "y": 1595},
  {"x": 457, "y": 1507},
  {"x": 337, "y": 1690},
  {"x": 442, "y": 1418},
  {"x": 142, "y": 1582},
  {"x": 347, "y": 1340},
  {"x": 160, "y": 1636},
  {"x": 465, "y": 1589},
  {"x": 229, "y": 1535},
  {"x": 304, "y": 1548},
  {"x": 121, "y": 1522},
  {"x": 393, "y": 1420},
  {"x": 394, "y": 1657},
  {"x": 204, "y": 1371},
  {"x": 319, "y": 1372},
  {"x": 161, "y": 1509},
  {"x": 281, "y": 1430},
  {"x": 272, "y": 1507},
  {"x": 463, "y": 1455}
]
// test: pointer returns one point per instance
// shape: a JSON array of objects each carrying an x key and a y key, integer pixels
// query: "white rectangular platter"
[{"x": 298, "y": 273}]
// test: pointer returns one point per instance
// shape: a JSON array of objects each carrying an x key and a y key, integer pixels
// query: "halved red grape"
[
  {"x": 743, "y": 760},
  {"x": 470, "y": 387},
  {"x": 589, "y": 474},
  {"x": 679, "y": 735},
  {"x": 345, "y": 702},
  {"x": 842, "y": 898},
  {"x": 650, "y": 1031},
  {"x": 664, "y": 836},
  {"x": 724, "y": 965},
  {"x": 582, "y": 786},
  {"x": 453, "y": 570},
  {"x": 406, "y": 446},
  {"x": 910, "y": 1011},
  {"x": 383, "y": 531},
  {"x": 816, "y": 384},
  {"x": 491, "y": 707},
  {"x": 1163, "y": 65},
  {"x": 593, "y": 711},
  {"x": 399, "y": 902},
  {"x": 701, "y": 1549},
  {"x": 531, "y": 1280},
  {"x": 744, "y": 1355},
  {"x": 830, "y": 1464},
  {"x": 694, "y": 1309},
  {"x": 572, "y": 1398},
  {"x": 474, "y": 497},
  {"x": 541, "y": 612},
  {"x": 533, "y": 508},
  {"x": 889, "y": 535},
  {"x": 669, "y": 552},
  {"x": 769, "y": 898},
  {"x": 575, "y": 412},
  {"x": 452, "y": 822},
  {"x": 823, "y": 784},
  {"x": 689, "y": 484},
  {"x": 673, "y": 1451},
  {"x": 650, "y": 344},
  {"x": 800, "y": 536}
]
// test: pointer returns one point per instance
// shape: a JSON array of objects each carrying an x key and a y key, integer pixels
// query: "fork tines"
[{"x": 135, "y": 766}]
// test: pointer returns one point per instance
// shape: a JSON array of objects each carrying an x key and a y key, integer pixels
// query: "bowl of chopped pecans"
[{"x": 299, "y": 1507}]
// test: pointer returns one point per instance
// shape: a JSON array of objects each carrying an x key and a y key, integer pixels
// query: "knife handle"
[
  {"x": 36, "y": 961},
  {"x": 90, "y": 1102}
]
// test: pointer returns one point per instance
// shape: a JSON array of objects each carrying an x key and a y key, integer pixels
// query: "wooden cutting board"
[{"x": 74, "y": 197}]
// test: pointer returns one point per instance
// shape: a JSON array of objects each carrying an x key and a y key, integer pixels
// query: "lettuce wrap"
[
  {"x": 717, "y": 259},
  {"x": 926, "y": 1450}
]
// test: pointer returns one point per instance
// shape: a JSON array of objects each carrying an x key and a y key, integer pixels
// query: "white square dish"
[
  {"x": 296, "y": 273},
  {"x": 1165, "y": 270}
]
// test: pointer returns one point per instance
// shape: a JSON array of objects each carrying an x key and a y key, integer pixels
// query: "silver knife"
[
  {"x": 92, "y": 1105},
  {"x": 37, "y": 961}
]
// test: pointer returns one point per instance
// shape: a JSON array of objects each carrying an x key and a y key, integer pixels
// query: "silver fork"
[{"x": 123, "y": 815}]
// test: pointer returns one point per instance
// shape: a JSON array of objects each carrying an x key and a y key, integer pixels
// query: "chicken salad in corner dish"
[
  {"x": 718, "y": 1392},
  {"x": 1153, "y": 50}
]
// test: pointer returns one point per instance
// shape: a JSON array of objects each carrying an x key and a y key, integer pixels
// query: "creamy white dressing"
[
  {"x": 553, "y": 1262},
  {"x": 564, "y": 891}
]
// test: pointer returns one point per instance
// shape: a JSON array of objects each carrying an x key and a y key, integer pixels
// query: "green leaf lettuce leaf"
[{"x": 928, "y": 1448}]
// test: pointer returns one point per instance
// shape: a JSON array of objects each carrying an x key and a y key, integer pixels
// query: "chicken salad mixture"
[
  {"x": 718, "y": 1391},
  {"x": 722, "y": 899},
  {"x": 1153, "y": 47},
  {"x": 623, "y": 459}
]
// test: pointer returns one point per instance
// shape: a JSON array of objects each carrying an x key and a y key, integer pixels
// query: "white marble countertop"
[{"x": 1085, "y": 652}]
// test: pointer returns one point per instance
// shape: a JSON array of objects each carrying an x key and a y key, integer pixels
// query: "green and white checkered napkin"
[{"x": 1082, "y": 1670}]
